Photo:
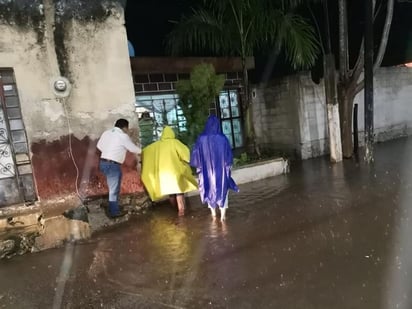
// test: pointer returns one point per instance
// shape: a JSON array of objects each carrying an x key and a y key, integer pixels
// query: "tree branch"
[
  {"x": 385, "y": 35},
  {"x": 238, "y": 22},
  {"x": 252, "y": 20},
  {"x": 358, "y": 68},
  {"x": 359, "y": 86},
  {"x": 322, "y": 47},
  {"x": 343, "y": 40}
]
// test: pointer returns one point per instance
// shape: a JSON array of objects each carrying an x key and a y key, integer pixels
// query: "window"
[
  {"x": 164, "y": 110},
  {"x": 231, "y": 117},
  {"x": 16, "y": 177}
]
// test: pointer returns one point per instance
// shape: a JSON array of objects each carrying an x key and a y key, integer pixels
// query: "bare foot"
[
  {"x": 222, "y": 214},
  {"x": 213, "y": 212},
  {"x": 181, "y": 204}
]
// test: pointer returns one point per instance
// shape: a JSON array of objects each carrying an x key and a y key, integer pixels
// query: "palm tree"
[{"x": 239, "y": 27}]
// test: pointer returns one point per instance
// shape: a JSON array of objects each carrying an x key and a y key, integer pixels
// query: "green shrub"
[{"x": 195, "y": 97}]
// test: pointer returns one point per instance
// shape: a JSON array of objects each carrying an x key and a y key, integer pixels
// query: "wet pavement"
[{"x": 324, "y": 236}]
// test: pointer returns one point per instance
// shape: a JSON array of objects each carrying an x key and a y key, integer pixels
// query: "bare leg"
[
  {"x": 223, "y": 214},
  {"x": 223, "y": 209},
  {"x": 180, "y": 198},
  {"x": 173, "y": 200},
  {"x": 213, "y": 211}
]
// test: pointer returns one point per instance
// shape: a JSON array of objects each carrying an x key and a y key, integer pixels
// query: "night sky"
[{"x": 147, "y": 24}]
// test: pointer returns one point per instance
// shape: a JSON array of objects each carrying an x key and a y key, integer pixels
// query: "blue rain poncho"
[{"x": 212, "y": 157}]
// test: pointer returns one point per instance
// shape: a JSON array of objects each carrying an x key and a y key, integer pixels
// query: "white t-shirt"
[{"x": 114, "y": 144}]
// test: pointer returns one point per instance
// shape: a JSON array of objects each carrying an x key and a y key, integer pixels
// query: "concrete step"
[
  {"x": 24, "y": 230},
  {"x": 19, "y": 231}
]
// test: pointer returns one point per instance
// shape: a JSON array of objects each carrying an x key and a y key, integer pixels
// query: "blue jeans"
[{"x": 113, "y": 173}]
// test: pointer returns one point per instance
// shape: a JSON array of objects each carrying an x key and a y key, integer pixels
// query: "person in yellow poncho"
[{"x": 166, "y": 170}]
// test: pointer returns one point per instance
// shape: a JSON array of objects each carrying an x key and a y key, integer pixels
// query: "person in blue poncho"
[{"x": 212, "y": 157}]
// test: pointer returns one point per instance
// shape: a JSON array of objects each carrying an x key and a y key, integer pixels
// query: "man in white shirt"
[{"x": 113, "y": 144}]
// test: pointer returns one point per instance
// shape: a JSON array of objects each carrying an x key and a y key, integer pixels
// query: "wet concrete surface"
[{"x": 324, "y": 236}]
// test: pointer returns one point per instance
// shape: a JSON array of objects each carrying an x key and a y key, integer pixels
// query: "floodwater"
[{"x": 324, "y": 236}]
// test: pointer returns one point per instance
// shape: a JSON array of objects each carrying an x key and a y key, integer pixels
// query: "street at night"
[{"x": 325, "y": 237}]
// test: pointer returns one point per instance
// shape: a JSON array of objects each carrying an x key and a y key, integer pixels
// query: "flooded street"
[{"x": 324, "y": 236}]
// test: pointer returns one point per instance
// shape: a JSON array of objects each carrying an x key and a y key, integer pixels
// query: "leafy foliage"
[
  {"x": 196, "y": 95},
  {"x": 266, "y": 154},
  {"x": 238, "y": 27},
  {"x": 243, "y": 159}
]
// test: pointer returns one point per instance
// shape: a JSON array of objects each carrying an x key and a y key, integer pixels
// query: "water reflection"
[
  {"x": 323, "y": 237},
  {"x": 398, "y": 279},
  {"x": 171, "y": 240}
]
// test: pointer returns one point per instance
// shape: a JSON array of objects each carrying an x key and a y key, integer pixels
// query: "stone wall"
[
  {"x": 84, "y": 41},
  {"x": 275, "y": 115},
  {"x": 290, "y": 113}
]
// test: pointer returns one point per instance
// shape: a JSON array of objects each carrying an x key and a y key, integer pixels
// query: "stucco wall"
[
  {"x": 392, "y": 103},
  {"x": 84, "y": 41},
  {"x": 290, "y": 114}
]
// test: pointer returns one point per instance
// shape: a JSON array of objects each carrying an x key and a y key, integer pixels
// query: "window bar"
[
  {"x": 231, "y": 119},
  {"x": 10, "y": 144}
]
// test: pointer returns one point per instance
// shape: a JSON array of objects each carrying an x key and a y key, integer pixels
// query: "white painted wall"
[
  {"x": 312, "y": 115},
  {"x": 100, "y": 71},
  {"x": 392, "y": 103},
  {"x": 291, "y": 113},
  {"x": 260, "y": 171}
]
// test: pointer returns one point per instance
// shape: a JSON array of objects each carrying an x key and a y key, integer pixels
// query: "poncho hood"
[
  {"x": 212, "y": 126},
  {"x": 167, "y": 133}
]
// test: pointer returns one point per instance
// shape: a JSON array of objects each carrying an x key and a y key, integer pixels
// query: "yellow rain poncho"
[{"x": 165, "y": 167}]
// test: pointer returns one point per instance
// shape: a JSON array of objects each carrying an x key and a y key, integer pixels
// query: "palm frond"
[
  {"x": 225, "y": 4},
  {"x": 238, "y": 27},
  {"x": 292, "y": 4},
  {"x": 299, "y": 40},
  {"x": 203, "y": 30}
]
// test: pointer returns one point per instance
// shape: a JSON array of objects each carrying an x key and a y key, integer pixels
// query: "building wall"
[
  {"x": 166, "y": 82},
  {"x": 275, "y": 115},
  {"x": 392, "y": 103},
  {"x": 84, "y": 41},
  {"x": 290, "y": 113}
]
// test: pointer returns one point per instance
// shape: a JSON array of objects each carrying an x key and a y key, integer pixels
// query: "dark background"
[{"x": 148, "y": 23}]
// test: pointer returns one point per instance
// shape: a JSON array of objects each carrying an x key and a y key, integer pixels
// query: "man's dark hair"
[
  {"x": 122, "y": 123},
  {"x": 145, "y": 115}
]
